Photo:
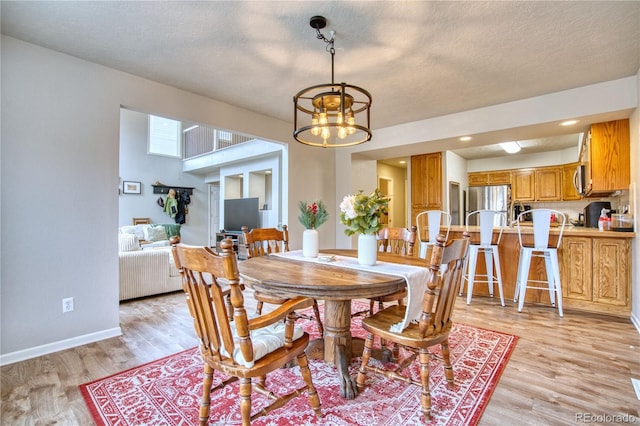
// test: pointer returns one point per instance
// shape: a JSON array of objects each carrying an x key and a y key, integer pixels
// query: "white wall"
[
  {"x": 59, "y": 211},
  {"x": 137, "y": 165},
  {"x": 455, "y": 170}
]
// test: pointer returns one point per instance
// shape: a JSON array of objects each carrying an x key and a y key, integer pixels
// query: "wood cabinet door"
[
  {"x": 523, "y": 186},
  {"x": 611, "y": 271},
  {"x": 610, "y": 156},
  {"x": 478, "y": 179},
  {"x": 575, "y": 268},
  {"x": 548, "y": 185},
  {"x": 502, "y": 177},
  {"x": 568, "y": 189},
  {"x": 426, "y": 183}
]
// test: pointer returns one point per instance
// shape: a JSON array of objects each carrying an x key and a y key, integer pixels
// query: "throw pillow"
[
  {"x": 128, "y": 242},
  {"x": 138, "y": 230},
  {"x": 155, "y": 233}
]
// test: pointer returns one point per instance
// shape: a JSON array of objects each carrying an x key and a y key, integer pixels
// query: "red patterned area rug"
[{"x": 167, "y": 391}]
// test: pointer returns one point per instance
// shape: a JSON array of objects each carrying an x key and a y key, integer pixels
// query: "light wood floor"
[{"x": 562, "y": 368}]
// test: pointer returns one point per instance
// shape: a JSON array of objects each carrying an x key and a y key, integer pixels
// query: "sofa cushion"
[
  {"x": 155, "y": 233},
  {"x": 137, "y": 230},
  {"x": 128, "y": 242},
  {"x": 155, "y": 244}
]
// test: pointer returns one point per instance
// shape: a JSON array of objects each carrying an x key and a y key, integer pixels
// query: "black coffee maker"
[{"x": 592, "y": 213}]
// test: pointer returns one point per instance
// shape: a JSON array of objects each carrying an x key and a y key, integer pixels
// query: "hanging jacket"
[{"x": 171, "y": 206}]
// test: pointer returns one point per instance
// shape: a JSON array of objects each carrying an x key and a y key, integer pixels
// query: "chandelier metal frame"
[{"x": 337, "y": 114}]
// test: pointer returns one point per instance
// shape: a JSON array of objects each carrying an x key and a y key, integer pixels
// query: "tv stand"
[{"x": 238, "y": 242}]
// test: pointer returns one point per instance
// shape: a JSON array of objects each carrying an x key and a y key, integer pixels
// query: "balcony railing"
[{"x": 203, "y": 140}]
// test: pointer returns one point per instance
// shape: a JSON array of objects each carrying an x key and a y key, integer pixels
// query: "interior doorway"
[
  {"x": 454, "y": 202},
  {"x": 385, "y": 186}
]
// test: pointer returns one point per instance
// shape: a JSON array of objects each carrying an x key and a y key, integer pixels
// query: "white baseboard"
[{"x": 60, "y": 345}]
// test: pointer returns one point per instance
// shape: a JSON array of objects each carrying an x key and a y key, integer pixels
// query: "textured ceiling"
[{"x": 419, "y": 59}]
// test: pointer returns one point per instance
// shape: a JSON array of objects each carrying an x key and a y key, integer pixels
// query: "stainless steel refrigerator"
[{"x": 493, "y": 197}]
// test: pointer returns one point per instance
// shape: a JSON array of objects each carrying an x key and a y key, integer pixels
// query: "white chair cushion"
[
  {"x": 128, "y": 242},
  {"x": 265, "y": 340}
]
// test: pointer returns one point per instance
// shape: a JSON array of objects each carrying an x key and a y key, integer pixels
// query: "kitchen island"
[{"x": 595, "y": 268}]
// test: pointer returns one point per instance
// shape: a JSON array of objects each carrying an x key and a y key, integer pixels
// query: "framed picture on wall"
[{"x": 129, "y": 187}]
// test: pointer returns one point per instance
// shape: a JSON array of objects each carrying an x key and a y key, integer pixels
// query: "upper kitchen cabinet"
[
  {"x": 606, "y": 156},
  {"x": 501, "y": 177},
  {"x": 548, "y": 184},
  {"x": 569, "y": 191},
  {"x": 426, "y": 183},
  {"x": 523, "y": 185}
]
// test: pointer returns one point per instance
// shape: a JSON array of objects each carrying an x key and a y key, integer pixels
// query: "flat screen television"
[{"x": 241, "y": 212}]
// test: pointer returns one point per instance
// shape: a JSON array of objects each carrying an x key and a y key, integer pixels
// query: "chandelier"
[{"x": 331, "y": 115}]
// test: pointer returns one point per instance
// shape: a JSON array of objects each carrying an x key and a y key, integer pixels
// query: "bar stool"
[
  {"x": 541, "y": 227},
  {"x": 486, "y": 219},
  {"x": 429, "y": 223}
]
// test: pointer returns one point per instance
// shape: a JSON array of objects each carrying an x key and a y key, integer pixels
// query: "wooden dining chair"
[
  {"x": 394, "y": 240},
  {"x": 243, "y": 349},
  {"x": 261, "y": 242},
  {"x": 433, "y": 327}
]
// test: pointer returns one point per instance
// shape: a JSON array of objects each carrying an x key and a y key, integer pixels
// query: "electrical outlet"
[{"x": 67, "y": 304}]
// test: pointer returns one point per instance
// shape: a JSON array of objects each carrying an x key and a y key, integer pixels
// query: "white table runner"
[{"x": 415, "y": 276}]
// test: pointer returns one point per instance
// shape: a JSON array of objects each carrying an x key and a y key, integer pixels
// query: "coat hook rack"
[{"x": 164, "y": 189}]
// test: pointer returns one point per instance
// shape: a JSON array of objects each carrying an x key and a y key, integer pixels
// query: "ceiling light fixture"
[
  {"x": 510, "y": 147},
  {"x": 465, "y": 138},
  {"x": 569, "y": 123},
  {"x": 331, "y": 115}
]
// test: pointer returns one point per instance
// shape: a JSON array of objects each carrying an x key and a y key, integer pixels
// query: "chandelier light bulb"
[
  {"x": 315, "y": 130},
  {"x": 342, "y": 132}
]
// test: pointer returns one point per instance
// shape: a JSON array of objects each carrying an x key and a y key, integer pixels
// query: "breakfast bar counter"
[{"x": 595, "y": 268}]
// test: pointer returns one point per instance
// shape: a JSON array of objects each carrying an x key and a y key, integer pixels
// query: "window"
[{"x": 164, "y": 136}]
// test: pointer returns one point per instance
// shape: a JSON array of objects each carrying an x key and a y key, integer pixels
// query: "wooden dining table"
[{"x": 337, "y": 286}]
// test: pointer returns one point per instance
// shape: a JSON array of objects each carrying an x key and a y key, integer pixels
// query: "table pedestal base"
[{"x": 338, "y": 346}]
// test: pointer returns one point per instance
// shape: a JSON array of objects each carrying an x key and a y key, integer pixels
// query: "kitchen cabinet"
[
  {"x": 569, "y": 191},
  {"x": 426, "y": 183},
  {"x": 596, "y": 273},
  {"x": 548, "y": 184},
  {"x": 606, "y": 155},
  {"x": 501, "y": 177},
  {"x": 523, "y": 185}
]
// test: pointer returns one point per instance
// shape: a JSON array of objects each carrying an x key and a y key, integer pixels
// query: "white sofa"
[{"x": 145, "y": 272}]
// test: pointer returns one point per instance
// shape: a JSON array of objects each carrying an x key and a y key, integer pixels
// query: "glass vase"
[
  {"x": 367, "y": 249},
  {"x": 310, "y": 241}
]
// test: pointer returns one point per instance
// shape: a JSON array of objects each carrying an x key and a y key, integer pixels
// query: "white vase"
[
  {"x": 367, "y": 249},
  {"x": 310, "y": 241}
]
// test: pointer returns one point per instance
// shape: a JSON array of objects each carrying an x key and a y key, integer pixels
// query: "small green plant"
[
  {"x": 361, "y": 213},
  {"x": 312, "y": 215}
]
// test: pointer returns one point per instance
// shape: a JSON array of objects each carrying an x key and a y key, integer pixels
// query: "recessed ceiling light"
[
  {"x": 465, "y": 138},
  {"x": 569, "y": 123},
  {"x": 403, "y": 162}
]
